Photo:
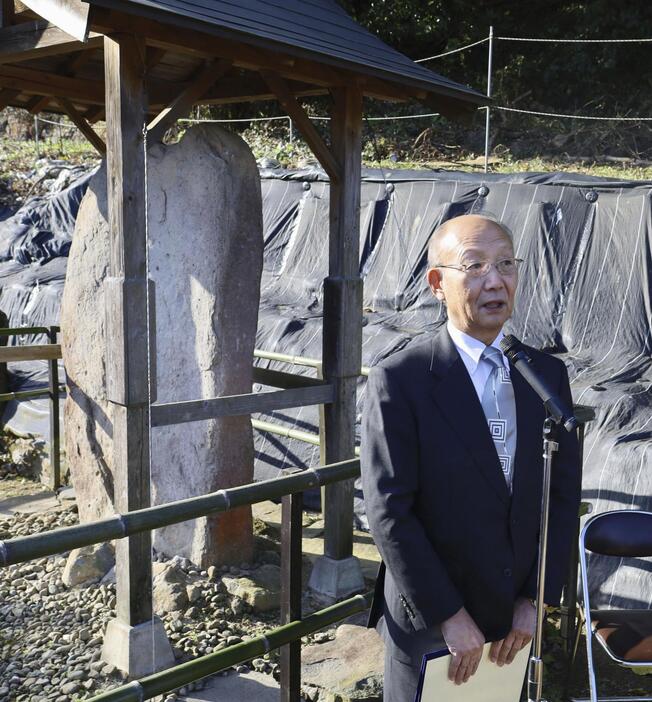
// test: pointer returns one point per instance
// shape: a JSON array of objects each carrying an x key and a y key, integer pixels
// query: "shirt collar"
[{"x": 471, "y": 347}]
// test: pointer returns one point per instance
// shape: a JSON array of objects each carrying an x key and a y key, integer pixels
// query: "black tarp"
[{"x": 584, "y": 295}]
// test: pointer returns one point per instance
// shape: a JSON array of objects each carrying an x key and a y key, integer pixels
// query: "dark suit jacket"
[{"x": 448, "y": 531}]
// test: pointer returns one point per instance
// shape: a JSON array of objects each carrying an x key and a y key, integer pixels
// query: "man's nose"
[{"x": 493, "y": 279}]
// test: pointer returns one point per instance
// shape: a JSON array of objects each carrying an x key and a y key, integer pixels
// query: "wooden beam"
[
  {"x": 94, "y": 114},
  {"x": 224, "y": 96},
  {"x": 154, "y": 57},
  {"x": 69, "y": 15},
  {"x": 29, "y": 80},
  {"x": 279, "y": 379},
  {"x": 206, "y": 76},
  {"x": 7, "y": 13},
  {"x": 324, "y": 155},
  {"x": 69, "y": 68},
  {"x": 84, "y": 127},
  {"x": 35, "y": 352},
  {"x": 200, "y": 45},
  {"x": 22, "y": 42},
  {"x": 238, "y": 405},
  {"x": 37, "y": 104}
]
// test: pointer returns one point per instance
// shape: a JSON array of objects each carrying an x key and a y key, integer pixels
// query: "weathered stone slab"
[
  {"x": 261, "y": 589},
  {"x": 170, "y": 590},
  {"x": 88, "y": 564},
  {"x": 346, "y": 669},
  {"x": 205, "y": 258}
]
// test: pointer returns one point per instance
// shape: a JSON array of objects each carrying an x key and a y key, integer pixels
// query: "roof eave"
[{"x": 450, "y": 101}]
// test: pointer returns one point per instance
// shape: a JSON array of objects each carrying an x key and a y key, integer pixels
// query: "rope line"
[
  {"x": 557, "y": 114},
  {"x": 453, "y": 51},
  {"x": 576, "y": 41}
]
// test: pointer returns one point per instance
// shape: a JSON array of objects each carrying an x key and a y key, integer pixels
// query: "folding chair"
[{"x": 625, "y": 635}]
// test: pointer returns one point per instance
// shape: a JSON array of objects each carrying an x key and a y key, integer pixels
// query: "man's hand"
[
  {"x": 465, "y": 642},
  {"x": 523, "y": 625}
]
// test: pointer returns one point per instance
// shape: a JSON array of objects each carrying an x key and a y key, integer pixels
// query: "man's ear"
[{"x": 433, "y": 276}]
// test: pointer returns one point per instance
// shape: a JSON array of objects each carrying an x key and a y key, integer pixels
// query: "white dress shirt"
[{"x": 470, "y": 350}]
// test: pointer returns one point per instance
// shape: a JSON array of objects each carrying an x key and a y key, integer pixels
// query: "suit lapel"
[{"x": 452, "y": 389}]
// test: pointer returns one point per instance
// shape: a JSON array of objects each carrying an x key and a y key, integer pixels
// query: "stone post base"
[
  {"x": 335, "y": 579},
  {"x": 137, "y": 650}
]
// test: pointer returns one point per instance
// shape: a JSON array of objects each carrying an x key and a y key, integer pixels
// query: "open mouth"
[{"x": 494, "y": 306}]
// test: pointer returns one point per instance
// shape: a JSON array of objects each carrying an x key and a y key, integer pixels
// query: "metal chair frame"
[{"x": 586, "y": 616}]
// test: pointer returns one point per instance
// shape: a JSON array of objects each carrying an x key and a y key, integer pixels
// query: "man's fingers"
[
  {"x": 463, "y": 666},
  {"x": 454, "y": 665},
  {"x": 520, "y": 642},
  {"x": 494, "y": 650}
]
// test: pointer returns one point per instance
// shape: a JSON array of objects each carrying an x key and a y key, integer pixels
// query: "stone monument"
[{"x": 205, "y": 245}]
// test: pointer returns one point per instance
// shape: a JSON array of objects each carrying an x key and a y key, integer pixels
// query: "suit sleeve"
[
  {"x": 390, "y": 478},
  {"x": 565, "y": 492}
]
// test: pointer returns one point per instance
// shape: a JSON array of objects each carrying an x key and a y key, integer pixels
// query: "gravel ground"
[{"x": 51, "y": 635}]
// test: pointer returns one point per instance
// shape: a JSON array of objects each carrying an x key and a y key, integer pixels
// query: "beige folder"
[{"x": 490, "y": 683}]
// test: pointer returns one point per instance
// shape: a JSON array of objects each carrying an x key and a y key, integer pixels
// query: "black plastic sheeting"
[{"x": 584, "y": 294}]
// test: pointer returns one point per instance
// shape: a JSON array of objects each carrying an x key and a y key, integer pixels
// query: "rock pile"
[{"x": 51, "y": 629}]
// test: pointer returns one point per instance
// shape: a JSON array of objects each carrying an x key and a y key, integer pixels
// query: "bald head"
[{"x": 446, "y": 236}]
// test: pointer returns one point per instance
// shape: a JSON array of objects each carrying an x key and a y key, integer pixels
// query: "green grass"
[{"x": 21, "y": 157}]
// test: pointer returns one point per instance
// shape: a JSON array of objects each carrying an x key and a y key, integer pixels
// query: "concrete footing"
[
  {"x": 137, "y": 650},
  {"x": 336, "y": 579}
]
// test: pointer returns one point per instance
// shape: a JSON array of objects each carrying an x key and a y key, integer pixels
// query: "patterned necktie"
[{"x": 500, "y": 410}]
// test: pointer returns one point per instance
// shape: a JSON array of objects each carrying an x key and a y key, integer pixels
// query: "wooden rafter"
[
  {"x": 200, "y": 45},
  {"x": 37, "y": 104},
  {"x": 84, "y": 127},
  {"x": 207, "y": 76},
  {"x": 28, "y": 80},
  {"x": 29, "y": 40},
  {"x": 94, "y": 114},
  {"x": 69, "y": 67},
  {"x": 318, "y": 146}
]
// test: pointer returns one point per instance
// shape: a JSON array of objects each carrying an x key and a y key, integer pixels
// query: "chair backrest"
[{"x": 626, "y": 533}]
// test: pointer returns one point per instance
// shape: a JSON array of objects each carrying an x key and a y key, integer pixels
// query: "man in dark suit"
[{"x": 454, "y": 508}]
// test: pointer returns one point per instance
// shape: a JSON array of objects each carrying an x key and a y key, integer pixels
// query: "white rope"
[
  {"x": 453, "y": 51},
  {"x": 557, "y": 114},
  {"x": 243, "y": 119},
  {"x": 385, "y": 119},
  {"x": 576, "y": 41},
  {"x": 57, "y": 124}
]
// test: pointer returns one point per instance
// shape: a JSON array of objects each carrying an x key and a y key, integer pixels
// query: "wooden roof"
[
  {"x": 313, "y": 45},
  {"x": 316, "y": 29}
]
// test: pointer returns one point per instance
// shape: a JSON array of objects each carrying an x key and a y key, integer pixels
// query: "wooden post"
[
  {"x": 129, "y": 645},
  {"x": 55, "y": 444},
  {"x": 291, "y": 531},
  {"x": 338, "y": 574},
  {"x": 7, "y": 12}
]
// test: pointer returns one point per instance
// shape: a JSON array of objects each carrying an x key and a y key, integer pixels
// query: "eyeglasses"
[{"x": 478, "y": 269}]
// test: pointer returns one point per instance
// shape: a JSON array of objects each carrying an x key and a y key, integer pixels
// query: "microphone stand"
[{"x": 535, "y": 667}]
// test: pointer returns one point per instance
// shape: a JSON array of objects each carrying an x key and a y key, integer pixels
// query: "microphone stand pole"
[{"x": 535, "y": 668}]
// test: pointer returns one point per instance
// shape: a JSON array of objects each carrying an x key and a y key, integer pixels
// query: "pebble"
[{"x": 54, "y": 635}]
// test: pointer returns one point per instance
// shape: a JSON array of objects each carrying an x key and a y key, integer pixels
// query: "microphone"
[{"x": 515, "y": 352}]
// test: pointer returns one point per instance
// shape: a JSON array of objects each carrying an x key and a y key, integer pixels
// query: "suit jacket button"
[{"x": 507, "y": 572}]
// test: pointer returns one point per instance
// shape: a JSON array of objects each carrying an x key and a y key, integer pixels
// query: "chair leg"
[{"x": 579, "y": 623}]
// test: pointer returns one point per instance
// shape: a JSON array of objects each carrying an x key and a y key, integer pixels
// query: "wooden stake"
[
  {"x": 317, "y": 145},
  {"x": 84, "y": 127},
  {"x": 205, "y": 78}
]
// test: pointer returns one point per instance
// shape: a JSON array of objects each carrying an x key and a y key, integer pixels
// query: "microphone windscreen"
[{"x": 510, "y": 345}]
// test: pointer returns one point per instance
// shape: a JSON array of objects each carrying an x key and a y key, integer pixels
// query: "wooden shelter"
[{"x": 143, "y": 64}]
